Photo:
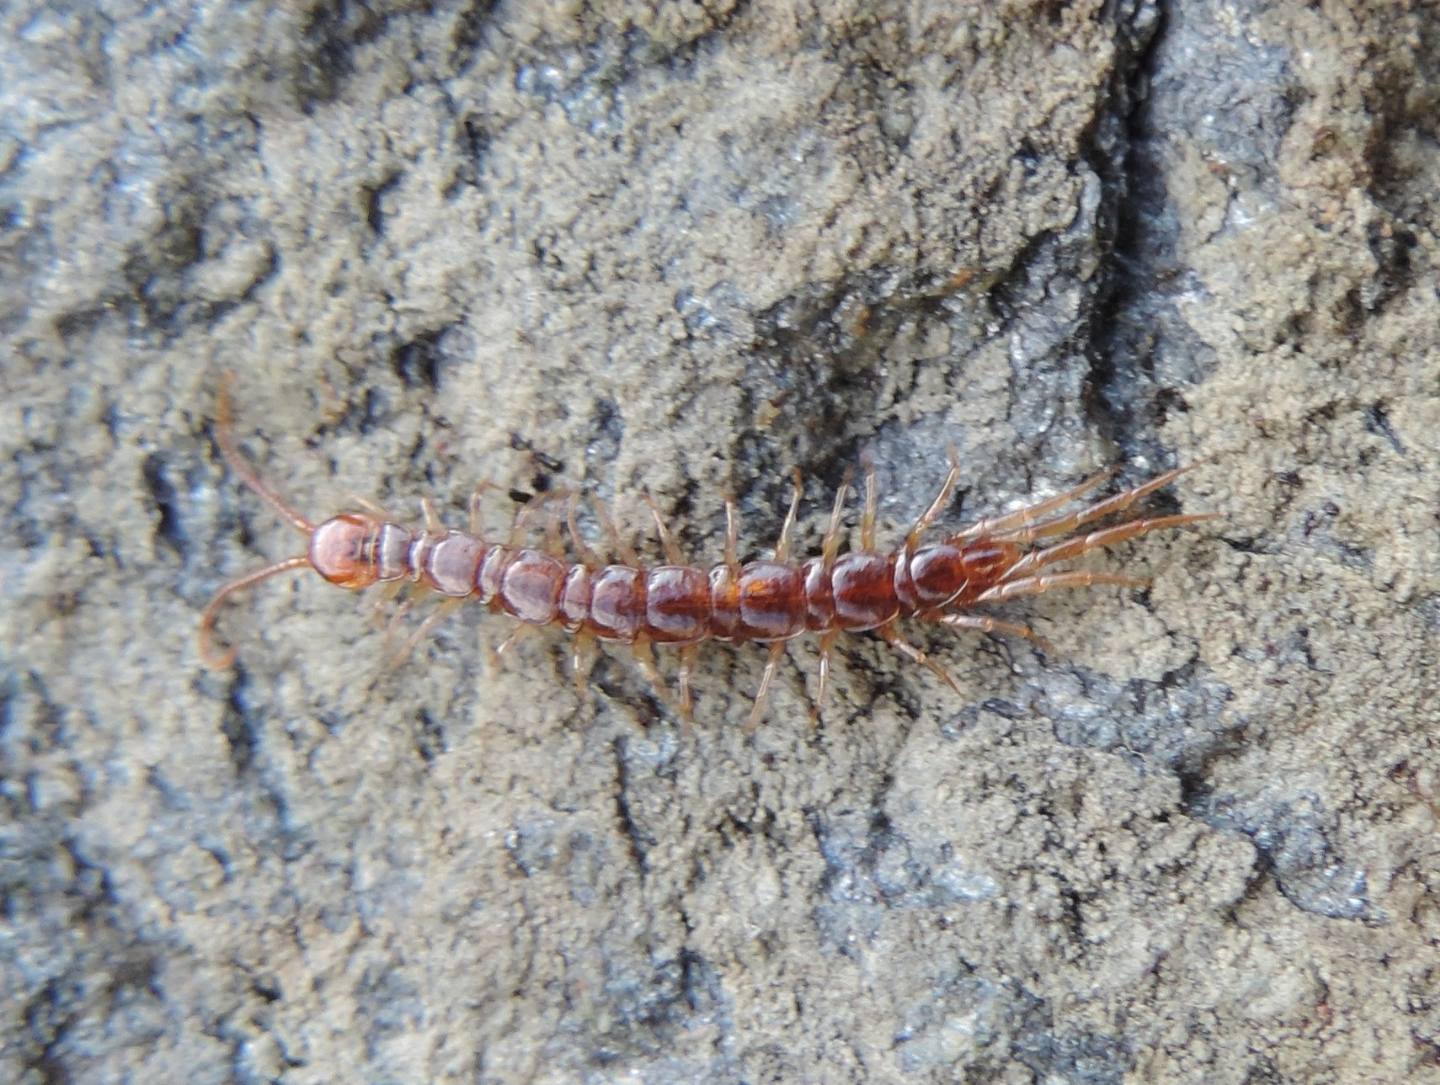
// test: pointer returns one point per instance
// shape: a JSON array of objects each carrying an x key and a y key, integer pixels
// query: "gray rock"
[{"x": 676, "y": 249}]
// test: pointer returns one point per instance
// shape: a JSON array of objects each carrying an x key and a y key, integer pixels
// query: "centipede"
[{"x": 948, "y": 580}]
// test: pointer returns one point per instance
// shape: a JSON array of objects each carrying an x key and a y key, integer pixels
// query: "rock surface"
[{"x": 676, "y": 248}]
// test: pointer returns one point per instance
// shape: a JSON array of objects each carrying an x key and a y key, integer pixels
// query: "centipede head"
[{"x": 342, "y": 550}]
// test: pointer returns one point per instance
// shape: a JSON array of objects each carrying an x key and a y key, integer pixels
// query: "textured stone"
[{"x": 677, "y": 248}]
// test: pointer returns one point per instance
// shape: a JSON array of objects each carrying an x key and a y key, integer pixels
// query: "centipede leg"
[
  {"x": 667, "y": 541},
  {"x": 931, "y": 514},
  {"x": 732, "y": 537},
  {"x": 787, "y": 528},
  {"x": 986, "y": 624},
  {"x": 572, "y": 524},
  {"x": 397, "y": 618},
  {"x": 827, "y": 641},
  {"x": 438, "y": 615},
  {"x": 384, "y": 595},
  {"x": 522, "y": 518},
  {"x": 1096, "y": 540},
  {"x": 364, "y": 504},
  {"x": 1060, "y": 525},
  {"x": 522, "y": 630},
  {"x": 872, "y": 504},
  {"x": 830, "y": 546},
  {"x": 688, "y": 656},
  {"x": 645, "y": 660},
  {"x": 1039, "y": 585},
  {"x": 1018, "y": 520},
  {"x": 621, "y": 547},
  {"x": 582, "y": 659},
  {"x": 477, "y": 495},
  {"x": 893, "y": 638},
  {"x": 757, "y": 710}
]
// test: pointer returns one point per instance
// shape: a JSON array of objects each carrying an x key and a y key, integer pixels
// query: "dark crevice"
[
  {"x": 1138, "y": 249},
  {"x": 238, "y": 730},
  {"x": 417, "y": 362},
  {"x": 638, "y": 840},
  {"x": 167, "y": 504}
]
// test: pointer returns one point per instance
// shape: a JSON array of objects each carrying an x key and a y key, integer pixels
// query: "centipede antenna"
[
  {"x": 224, "y": 437},
  {"x": 207, "y": 620}
]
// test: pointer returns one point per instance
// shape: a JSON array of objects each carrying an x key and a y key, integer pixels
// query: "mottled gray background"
[{"x": 676, "y": 248}]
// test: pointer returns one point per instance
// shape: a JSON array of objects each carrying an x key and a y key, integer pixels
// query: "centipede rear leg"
[
  {"x": 986, "y": 624},
  {"x": 1039, "y": 585},
  {"x": 1030, "y": 532},
  {"x": 1098, "y": 540},
  {"x": 1010, "y": 523}
]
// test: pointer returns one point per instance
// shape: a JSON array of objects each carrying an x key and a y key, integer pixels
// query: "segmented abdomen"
[{"x": 762, "y": 601}]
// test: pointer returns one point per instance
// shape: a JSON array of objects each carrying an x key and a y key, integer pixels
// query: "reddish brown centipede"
[{"x": 682, "y": 605}]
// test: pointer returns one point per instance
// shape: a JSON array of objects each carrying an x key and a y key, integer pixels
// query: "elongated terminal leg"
[
  {"x": 1110, "y": 536},
  {"x": 1079, "y": 518},
  {"x": 1039, "y": 585},
  {"x": 996, "y": 526},
  {"x": 987, "y": 624}
]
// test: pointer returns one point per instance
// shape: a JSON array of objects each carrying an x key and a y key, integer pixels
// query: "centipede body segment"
[{"x": 682, "y": 605}]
